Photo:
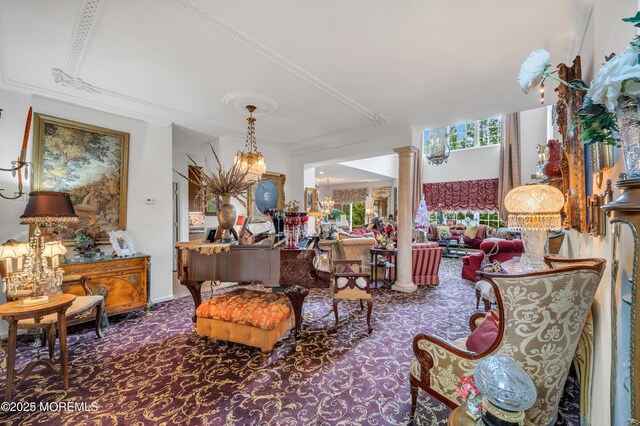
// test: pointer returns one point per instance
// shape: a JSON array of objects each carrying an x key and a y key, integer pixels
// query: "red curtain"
[{"x": 479, "y": 194}]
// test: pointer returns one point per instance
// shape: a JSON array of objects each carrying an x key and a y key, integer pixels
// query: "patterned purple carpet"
[{"x": 154, "y": 370}]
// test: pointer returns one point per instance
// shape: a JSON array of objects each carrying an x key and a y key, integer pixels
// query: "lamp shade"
[
  {"x": 10, "y": 251},
  {"x": 534, "y": 207},
  {"x": 48, "y": 207},
  {"x": 53, "y": 248}
]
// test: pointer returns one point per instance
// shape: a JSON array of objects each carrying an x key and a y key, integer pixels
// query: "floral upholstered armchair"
[{"x": 541, "y": 317}]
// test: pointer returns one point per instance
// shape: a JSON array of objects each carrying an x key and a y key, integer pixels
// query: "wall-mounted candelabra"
[{"x": 20, "y": 167}]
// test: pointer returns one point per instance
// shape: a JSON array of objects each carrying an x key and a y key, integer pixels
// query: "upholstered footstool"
[
  {"x": 484, "y": 290},
  {"x": 253, "y": 318}
]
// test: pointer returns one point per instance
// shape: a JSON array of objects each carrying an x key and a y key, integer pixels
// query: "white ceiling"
[
  {"x": 340, "y": 71},
  {"x": 338, "y": 174}
]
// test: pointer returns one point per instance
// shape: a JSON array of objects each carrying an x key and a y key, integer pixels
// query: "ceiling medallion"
[{"x": 238, "y": 101}]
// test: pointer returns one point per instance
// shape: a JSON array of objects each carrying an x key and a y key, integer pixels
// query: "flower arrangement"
[
  {"x": 469, "y": 393},
  {"x": 232, "y": 183},
  {"x": 273, "y": 213},
  {"x": 85, "y": 244},
  {"x": 292, "y": 206},
  {"x": 617, "y": 82}
]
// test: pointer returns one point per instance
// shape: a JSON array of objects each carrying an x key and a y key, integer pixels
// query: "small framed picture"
[
  {"x": 121, "y": 243},
  {"x": 210, "y": 235}
]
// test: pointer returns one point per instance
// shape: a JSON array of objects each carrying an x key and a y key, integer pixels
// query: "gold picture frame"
[
  {"x": 261, "y": 194},
  {"x": 89, "y": 162},
  {"x": 310, "y": 198}
]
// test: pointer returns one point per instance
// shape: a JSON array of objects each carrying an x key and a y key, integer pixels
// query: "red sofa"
[
  {"x": 507, "y": 250},
  {"x": 482, "y": 232},
  {"x": 364, "y": 231}
]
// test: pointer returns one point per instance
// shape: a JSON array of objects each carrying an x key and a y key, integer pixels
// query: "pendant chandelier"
[
  {"x": 328, "y": 202},
  {"x": 251, "y": 159},
  {"x": 437, "y": 148}
]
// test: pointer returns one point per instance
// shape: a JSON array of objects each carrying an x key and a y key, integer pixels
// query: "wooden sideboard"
[{"x": 126, "y": 280}]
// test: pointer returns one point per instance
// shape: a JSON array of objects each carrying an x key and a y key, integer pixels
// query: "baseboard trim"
[{"x": 162, "y": 299}]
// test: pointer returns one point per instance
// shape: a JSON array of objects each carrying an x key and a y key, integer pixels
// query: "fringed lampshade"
[{"x": 48, "y": 207}]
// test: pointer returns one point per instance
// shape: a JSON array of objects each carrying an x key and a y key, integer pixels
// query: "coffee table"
[{"x": 452, "y": 249}]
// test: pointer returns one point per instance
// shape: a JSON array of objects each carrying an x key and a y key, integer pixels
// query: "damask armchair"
[{"x": 541, "y": 317}]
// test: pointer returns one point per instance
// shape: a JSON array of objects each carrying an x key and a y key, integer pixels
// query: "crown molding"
[
  {"x": 194, "y": 8},
  {"x": 86, "y": 25}
]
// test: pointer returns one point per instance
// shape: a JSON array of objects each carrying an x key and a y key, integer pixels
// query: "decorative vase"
[
  {"x": 390, "y": 246},
  {"x": 278, "y": 225},
  {"x": 551, "y": 168},
  {"x": 629, "y": 128},
  {"x": 226, "y": 218}
]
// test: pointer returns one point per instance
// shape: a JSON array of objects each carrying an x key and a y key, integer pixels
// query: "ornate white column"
[{"x": 405, "y": 220}]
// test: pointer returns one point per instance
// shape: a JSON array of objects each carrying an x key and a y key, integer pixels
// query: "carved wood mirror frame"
[{"x": 572, "y": 164}]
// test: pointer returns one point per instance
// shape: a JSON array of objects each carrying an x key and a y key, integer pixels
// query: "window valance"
[
  {"x": 480, "y": 194},
  {"x": 346, "y": 196}
]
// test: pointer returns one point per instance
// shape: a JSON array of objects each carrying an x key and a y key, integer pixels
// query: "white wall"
[
  {"x": 149, "y": 177},
  {"x": 474, "y": 163}
]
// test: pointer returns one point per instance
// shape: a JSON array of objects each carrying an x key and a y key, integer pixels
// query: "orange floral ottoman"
[{"x": 253, "y": 318}]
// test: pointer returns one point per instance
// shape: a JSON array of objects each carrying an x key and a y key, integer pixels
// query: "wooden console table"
[
  {"x": 124, "y": 281},
  {"x": 13, "y": 312}
]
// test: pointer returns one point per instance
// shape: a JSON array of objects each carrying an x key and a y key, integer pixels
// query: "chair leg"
[
  {"x": 414, "y": 400},
  {"x": 487, "y": 304},
  {"x": 51, "y": 340},
  {"x": 335, "y": 311},
  {"x": 99, "y": 312},
  {"x": 361, "y": 305},
  {"x": 477, "y": 299},
  {"x": 369, "y": 307}
]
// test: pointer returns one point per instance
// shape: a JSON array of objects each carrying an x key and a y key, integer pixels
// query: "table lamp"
[
  {"x": 507, "y": 391},
  {"x": 10, "y": 251},
  {"x": 44, "y": 208},
  {"x": 534, "y": 209}
]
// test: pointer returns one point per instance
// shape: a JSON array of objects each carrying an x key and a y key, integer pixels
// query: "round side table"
[
  {"x": 390, "y": 264},
  {"x": 13, "y": 312}
]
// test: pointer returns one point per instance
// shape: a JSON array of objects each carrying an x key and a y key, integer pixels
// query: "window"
[
  {"x": 473, "y": 134},
  {"x": 468, "y": 217},
  {"x": 355, "y": 214}
]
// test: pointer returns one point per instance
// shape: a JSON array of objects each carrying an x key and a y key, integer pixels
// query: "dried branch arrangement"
[{"x": 220, "y": 183}]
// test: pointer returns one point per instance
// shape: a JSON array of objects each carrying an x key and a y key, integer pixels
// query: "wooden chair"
[
  {"x": 350, "y": 283},
  {"x": 542, "y": 315}
]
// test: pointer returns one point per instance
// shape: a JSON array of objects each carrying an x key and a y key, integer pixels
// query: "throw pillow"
[
  {"x": 470, "y": 232},
  {"x": 441, "y": 228},
  {"x": 481, "y": 231},
  {"x": 483, "y": 336}
]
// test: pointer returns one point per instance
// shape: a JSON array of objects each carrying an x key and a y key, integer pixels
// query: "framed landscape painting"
[
  {"x": 91, "y": 164},
  {"x": 268, "y": 193}
]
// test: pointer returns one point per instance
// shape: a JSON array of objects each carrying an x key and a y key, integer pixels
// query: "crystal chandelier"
[
  {"x": 437, "y": 148},
  {"x": 251, "y": 159},
  {"x": 328, "y": 203}
]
